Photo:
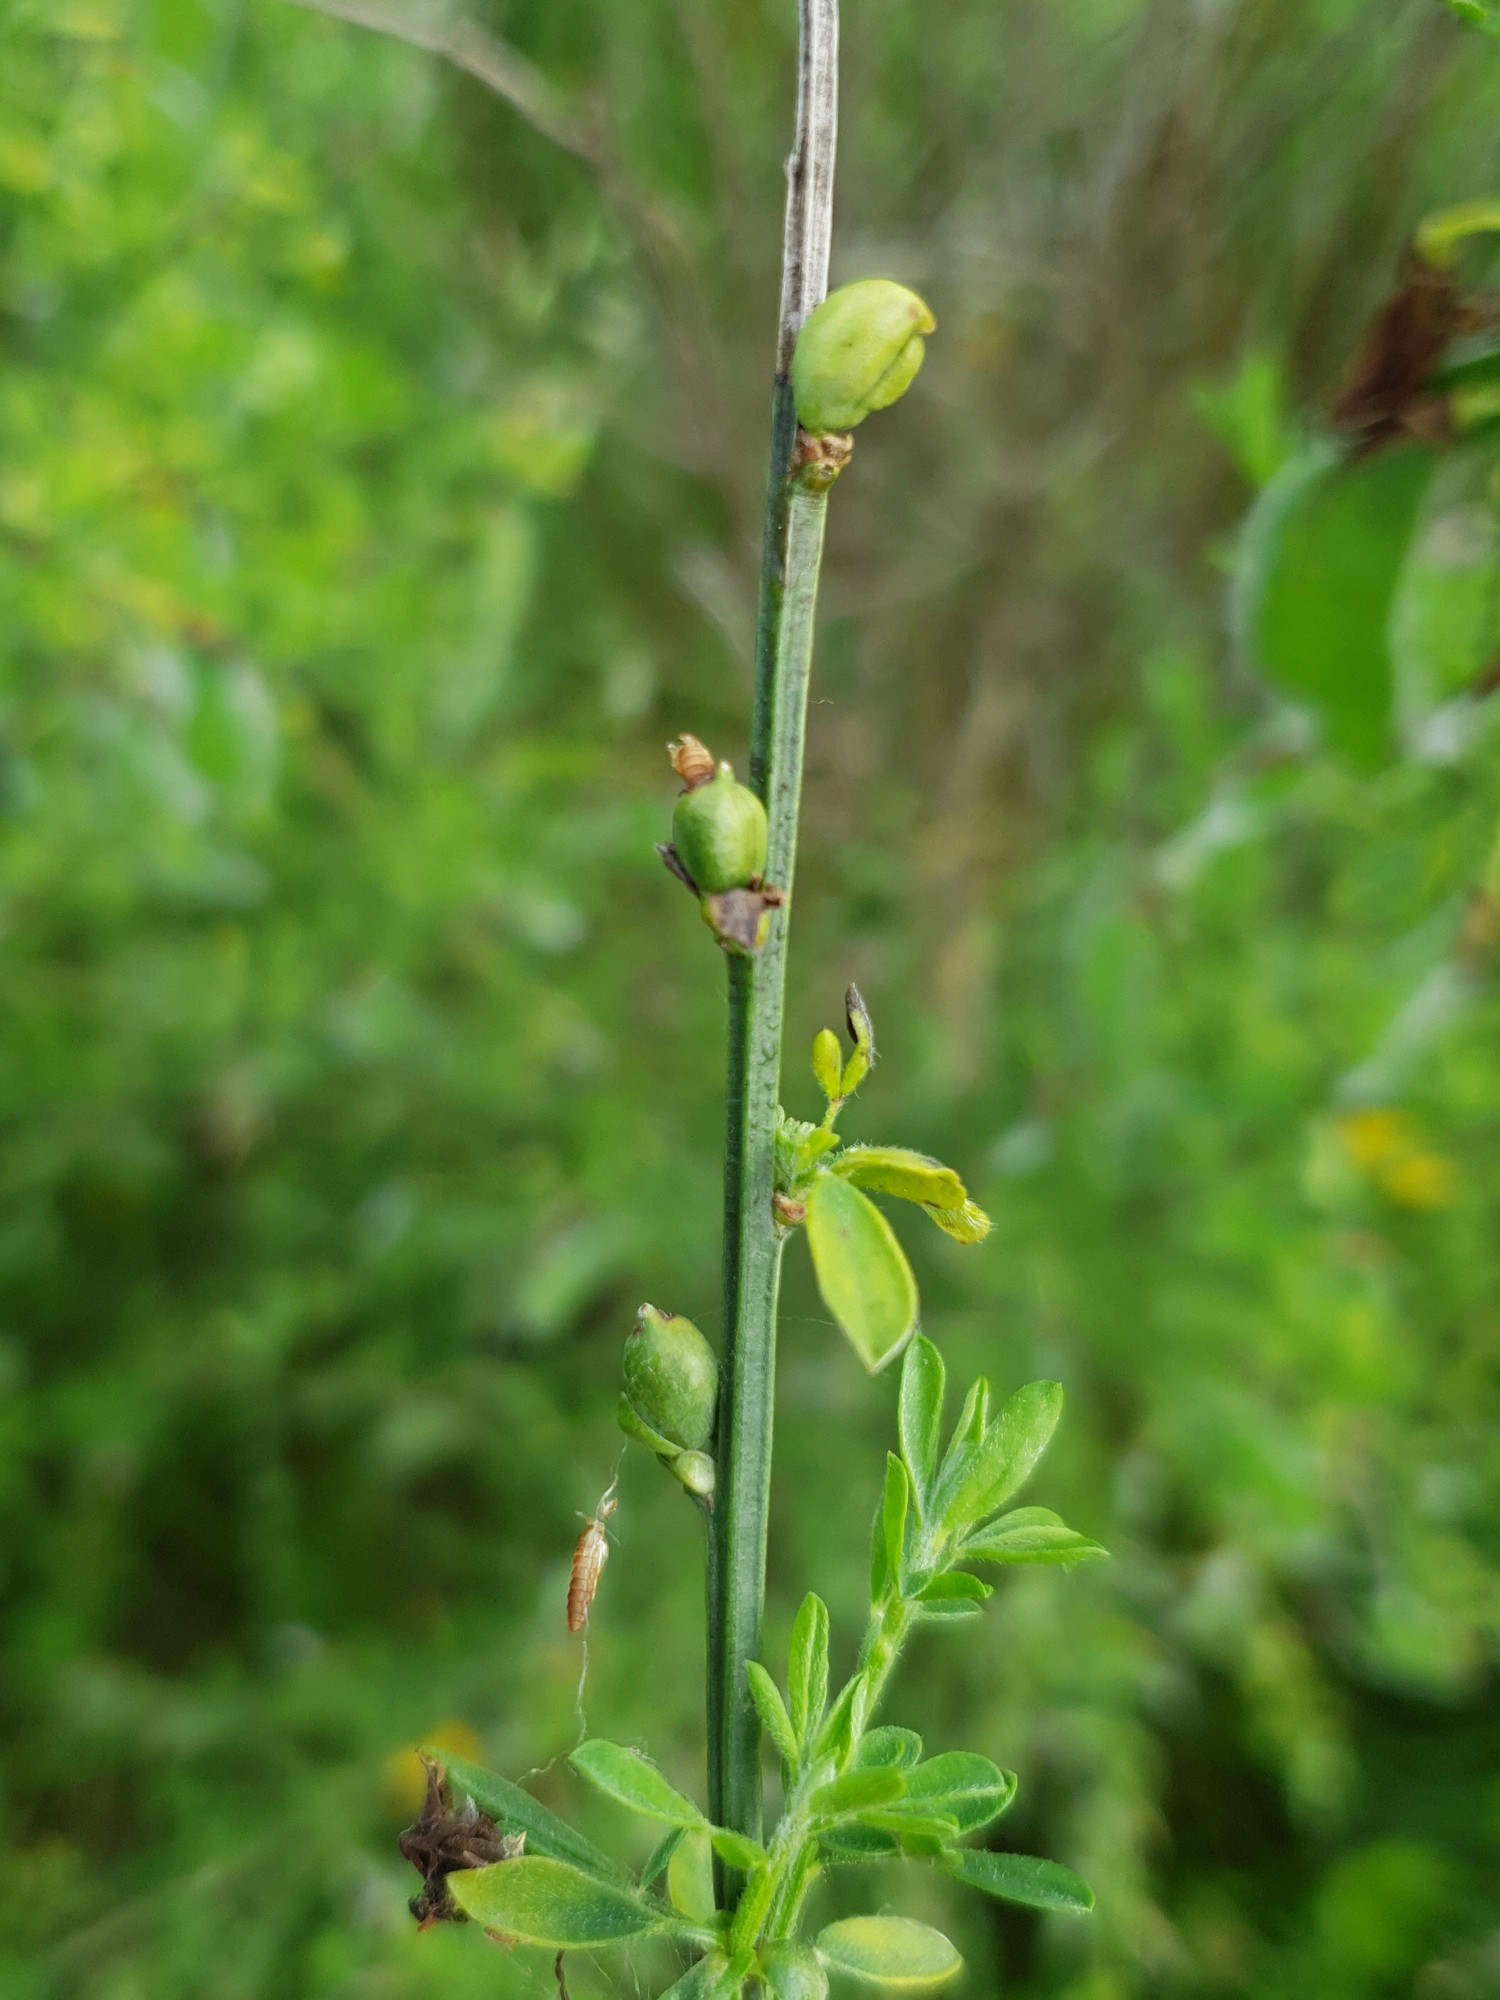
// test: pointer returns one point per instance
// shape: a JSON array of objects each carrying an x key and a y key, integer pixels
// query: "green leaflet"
[
  {"x": 857, "y": 1790},
  {"x": 900, "y": 1748},
  {"x": 807, "y": 1669},
  {"x": 792, "y": 1972},
  {"x": 1319, "y": 562},
  {"x": 896, "y": 1170},
  {"x": 953, "y": 1587},
  {"x": 660, "y": 1855},
  {"x": 1014, "y": 1539},
  {"x": 539, "y": 1901},
  {"x": 862, "y": 1271},
  {"x": 854, "y": 1840},
  {"x": 893, "y": 1515},
  {"x": 1021, "y": 1878},
  {"x": 633, "y": 1780},
  {"x": 516, "y": 1811},
  {"x": 920, "y": 1416},
  {"x": 960, "y": 1785},
  {"x": 738, "y": 1849},
  {"x": 1004, "y": 1457},
  {"x": 889, "y": 1951},
  {"x": 772, "y": 1712}
]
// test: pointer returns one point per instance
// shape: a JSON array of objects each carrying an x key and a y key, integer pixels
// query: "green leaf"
[
  {"x": 807, "y": 1669},
  {"x": 889, "y": 1951},
  {"x": 846, "y": 1721},
  {"x": 772, "y": 1711},
  {"x": 1014, "y": 1540},
  {"x": 968, "y": 1434},
  {"x": 661, "y": 1854},
  {"x": 1319, "y": 562},
  {"x": 857, "y": 1790},
  {"x": 960, "y": 1785},
  {"x": 516, "y": 1811},
  {"x": 633, "y": 1780},
  {"x": 539, "y": 1901},
  {"x": 1021, "y": 1878},
  {"x": 893, "y": 1515},
  {"x": 920, "y": 1416},
  {"x": 899, "y": 1748},
  {"x": 897, "y": 1171},
  {"x": 793, "y": 1972},
  {"x": 862, "y": 1271},
  {"x": 738, "y": 1849},
  {"x": 1006, "y": 1456},
  {"x": 954, "y": 1587}
]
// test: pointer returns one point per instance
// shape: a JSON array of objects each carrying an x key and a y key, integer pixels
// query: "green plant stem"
[
  {"x": 792, "y": 550},
  {"x": 752, "y": 1267}
]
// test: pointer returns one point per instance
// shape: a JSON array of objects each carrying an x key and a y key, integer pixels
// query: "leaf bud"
[
  {"x": 862, "y": 1034},
  {"x": 697, "y": 1472},
  {"x": 672, "y": 1379},
  {"x": 827, "y": 1063},
  {"x": 857, "y": 352},
  {"x": 718, "y": 825}
]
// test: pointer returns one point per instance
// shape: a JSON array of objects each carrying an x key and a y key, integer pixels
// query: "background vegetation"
[{"x": 379, "y": 488}]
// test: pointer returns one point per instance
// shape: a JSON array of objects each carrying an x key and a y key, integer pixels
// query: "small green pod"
[
  {"x": 719, "y": 832},
  {"x": 857, "y": 352},
  {"x": 672, "y": 1378}
]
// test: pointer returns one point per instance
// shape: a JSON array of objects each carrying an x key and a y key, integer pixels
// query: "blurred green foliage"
[{"x": 378, "y": 491}]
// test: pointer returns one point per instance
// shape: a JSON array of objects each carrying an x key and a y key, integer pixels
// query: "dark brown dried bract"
[
  {"x": 444, "y": 1841},
  {"x": 1384, "y": 398}
]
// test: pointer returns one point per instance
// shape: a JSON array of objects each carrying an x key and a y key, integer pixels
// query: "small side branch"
[{"x": 469, "y": 47}]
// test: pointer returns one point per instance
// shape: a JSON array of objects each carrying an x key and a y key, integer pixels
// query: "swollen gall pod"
[
  {"x": 718, "y": 825},
  {"x": 671, "y": 1378},
  {"x": 857, "y": 352}
]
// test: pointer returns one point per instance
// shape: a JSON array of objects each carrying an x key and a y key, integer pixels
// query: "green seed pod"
[
  {"x": 672, "y": 1378},
  {"x": 719, "y": 832},
  {"x": 857, "y": 352},
  {"x": 827, "y": 1063}
]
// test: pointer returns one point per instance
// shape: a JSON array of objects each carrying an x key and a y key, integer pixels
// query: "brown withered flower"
[{"x": 445, "y": 1840}]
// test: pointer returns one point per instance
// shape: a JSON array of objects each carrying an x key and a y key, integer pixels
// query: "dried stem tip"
[{"x": 692, "y": 761}]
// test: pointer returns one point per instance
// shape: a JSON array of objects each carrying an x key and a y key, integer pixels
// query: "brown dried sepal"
[
  {"x": 443, "y": 1841},
  {"x": 692, "y": 761},
  {"x": 741, "y": 918},
  {"x": 818, "y": 461},
  {"x": 787, "y": 1211},
  {"x": 1384, "y": 398}
]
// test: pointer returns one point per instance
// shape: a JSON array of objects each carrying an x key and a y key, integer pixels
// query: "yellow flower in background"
[
  {"x": 1371, "y": 1138},
  {"x": 1389, "y": 1148},
  {"x": 405, "y": 1776},
  {"x": 1421, "y": 1180}
]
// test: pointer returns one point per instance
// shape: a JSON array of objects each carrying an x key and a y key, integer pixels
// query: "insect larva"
[{"x": 589, "y": 1558}]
